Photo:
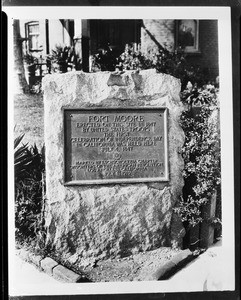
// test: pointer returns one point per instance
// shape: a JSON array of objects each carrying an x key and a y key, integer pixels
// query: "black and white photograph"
[{"x": 120, "y": 150}]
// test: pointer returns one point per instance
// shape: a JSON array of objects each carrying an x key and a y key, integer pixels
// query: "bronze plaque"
[{"x": 115, "y": 145}]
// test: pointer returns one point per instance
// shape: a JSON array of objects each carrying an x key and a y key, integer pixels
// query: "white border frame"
[{"x": 222, "y": 14}]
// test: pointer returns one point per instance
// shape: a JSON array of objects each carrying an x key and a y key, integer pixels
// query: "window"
[
  {"x": 32, "y": 31},
  {"x": 187, "y": 35}
]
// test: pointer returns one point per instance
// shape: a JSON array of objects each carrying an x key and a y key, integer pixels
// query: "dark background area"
[
  {"x": 235, "y": 6},
  {"x": 232, "y": 3}
]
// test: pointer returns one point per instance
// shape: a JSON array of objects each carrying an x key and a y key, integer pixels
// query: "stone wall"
[{"x": 90, "y": 222}]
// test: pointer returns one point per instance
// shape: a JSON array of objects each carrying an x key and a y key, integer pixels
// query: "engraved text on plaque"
[{"x": 115, "y": 145}]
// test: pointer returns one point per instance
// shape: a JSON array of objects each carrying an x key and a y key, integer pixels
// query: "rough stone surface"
[
  {"x": 88, "y": 223},
  {"x": 164, "y": 272},
  {"x": 35, "y": 259},
  {"x": 47, "y": 264},
  {"x": 24, "y": 254},
  {"x": 63, "y": 274},
  {"x": 182, "y": 257}
]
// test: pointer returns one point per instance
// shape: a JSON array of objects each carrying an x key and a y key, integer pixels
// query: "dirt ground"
[{"x": 137, "y": 267}]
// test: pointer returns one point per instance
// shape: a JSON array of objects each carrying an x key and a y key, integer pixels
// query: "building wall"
[
  {"x": 163, "y": 32},
  {"x": 157, "y": 31},
  {"x": 56, "y": 33},
  {"x": 208, "y": 45}
]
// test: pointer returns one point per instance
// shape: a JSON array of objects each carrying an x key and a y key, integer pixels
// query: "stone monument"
[{"x": 113, "y": 168}]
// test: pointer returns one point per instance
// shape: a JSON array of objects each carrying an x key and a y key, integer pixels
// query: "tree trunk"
[{"x": 20, "y": 83}]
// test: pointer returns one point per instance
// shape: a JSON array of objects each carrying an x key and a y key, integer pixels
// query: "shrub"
[
  {"x": 201, "y": 152},
  {"x": 62, "y": 58},
  {"x": 104, "y": 60},
  {"x": 29, "y": 191},
  {"x": 173, "y": 63},
  {"x": 30, "y": 59},
  {"x": 160, "y": 59},
  {"x": 36, "y": 88}
]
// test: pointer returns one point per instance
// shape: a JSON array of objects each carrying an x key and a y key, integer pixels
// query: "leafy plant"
[
  {"x": 173, "y": 63},
  {"x": 201, "y": 152},
  {"x": 36, "y": 88},
  {"x": 132, "y": 59},
  {"x": 29, "y": 191},
  {"x": 22, "y": 160},
  {"x": 104, "y": 60},
  {"x": 61, "y": 58},
  {"x": 61, "y": 54},
  {"x": 29, "y": 59}
]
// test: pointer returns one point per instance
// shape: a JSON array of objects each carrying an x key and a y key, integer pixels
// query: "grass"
[{"x": 29, "y": 118}]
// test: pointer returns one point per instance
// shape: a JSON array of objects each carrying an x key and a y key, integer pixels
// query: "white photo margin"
[{"x": 222, "y": 14}]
